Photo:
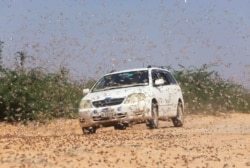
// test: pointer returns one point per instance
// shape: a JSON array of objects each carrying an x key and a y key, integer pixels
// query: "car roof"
[{"x": 138, "y": 69}]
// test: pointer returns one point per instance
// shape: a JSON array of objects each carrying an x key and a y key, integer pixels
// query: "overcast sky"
[{"x": 92, "y": 37}]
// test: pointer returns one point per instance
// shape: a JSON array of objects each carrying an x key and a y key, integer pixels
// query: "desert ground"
[{"x": 204, "y": 142}]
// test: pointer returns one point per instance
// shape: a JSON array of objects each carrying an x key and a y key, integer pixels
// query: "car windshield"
[{"x": 124, "y": 79}]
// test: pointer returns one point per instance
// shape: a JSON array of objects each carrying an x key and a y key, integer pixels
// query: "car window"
[
  {"x": 124, "y": 79},
  {"x": 158, "y": 74},
  {"x": 170, "y": 77}
]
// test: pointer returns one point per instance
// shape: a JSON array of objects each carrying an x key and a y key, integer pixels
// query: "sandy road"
[{"x": 204, "y": 142}]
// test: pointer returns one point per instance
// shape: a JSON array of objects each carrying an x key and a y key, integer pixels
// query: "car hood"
[{"x": 115, "y": 93}]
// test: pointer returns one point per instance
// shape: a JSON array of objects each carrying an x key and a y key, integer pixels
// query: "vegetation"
[
  {"x": 35, "y": 95},
  {"x": 206, "y": 92}
]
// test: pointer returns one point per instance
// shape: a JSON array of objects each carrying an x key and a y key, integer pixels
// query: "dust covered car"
[{"x": 125, "y": 97}]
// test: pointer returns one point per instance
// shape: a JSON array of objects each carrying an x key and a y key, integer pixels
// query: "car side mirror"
[
  {"x": 85, "y": 91},
  {"x": 159, "y": 82}
]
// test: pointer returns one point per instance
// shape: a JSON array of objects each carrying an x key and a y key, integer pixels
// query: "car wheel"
[
  {"x": 154, "y": 122},
  {"x": 89, "y": 130},
  {"x": 179, "y": 119},
  {"x": 120, "y": 127}
]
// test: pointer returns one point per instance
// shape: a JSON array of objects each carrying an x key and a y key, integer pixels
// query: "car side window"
[
  {"x": 160, "y": 75},
  {"x": 170, "y": 78}
]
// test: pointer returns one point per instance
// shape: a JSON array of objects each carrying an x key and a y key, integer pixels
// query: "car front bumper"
[{"x": 108, "y": 116}]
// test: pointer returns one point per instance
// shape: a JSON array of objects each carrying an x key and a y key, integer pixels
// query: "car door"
[
  {"x": 174, "y": 92},
  {"x": 162, "y": 93}
]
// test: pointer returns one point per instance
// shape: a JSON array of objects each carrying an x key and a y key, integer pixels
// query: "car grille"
[
  {"x": 110, "y": 102},
  {"x": 109, "y": 116}
]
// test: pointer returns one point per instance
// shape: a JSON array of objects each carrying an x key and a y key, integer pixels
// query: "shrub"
[
  {"x": 205, "y": 91},
  {"x": 37, "y": 96}
]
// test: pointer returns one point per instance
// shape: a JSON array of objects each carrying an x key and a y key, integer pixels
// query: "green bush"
[
  {"x": 205, "y": 91},
  {"x": 37, "y": 96}
]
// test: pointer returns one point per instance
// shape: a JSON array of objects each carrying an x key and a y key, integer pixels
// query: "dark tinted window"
[
  {"x": 170, "y": 78},
  {"x": 158, "y": 74}
]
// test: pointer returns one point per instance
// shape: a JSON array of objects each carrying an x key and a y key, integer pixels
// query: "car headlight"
[
  {"x": 134, "y": 98},
  {"x": 85, "y": 104}
]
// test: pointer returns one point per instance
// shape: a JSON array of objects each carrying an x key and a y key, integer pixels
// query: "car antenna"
[{"x": 112, "y": 71}]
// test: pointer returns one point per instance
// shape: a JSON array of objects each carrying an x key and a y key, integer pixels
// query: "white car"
[{"x": 125, "y": 97}]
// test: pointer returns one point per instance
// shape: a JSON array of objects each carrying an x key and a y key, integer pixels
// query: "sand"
[{"x": 204, "y": 142}]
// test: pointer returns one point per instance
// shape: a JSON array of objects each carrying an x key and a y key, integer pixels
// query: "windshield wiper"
[
  {"x": 121, "y": 86},
  {"x": 106, "y": 88}
]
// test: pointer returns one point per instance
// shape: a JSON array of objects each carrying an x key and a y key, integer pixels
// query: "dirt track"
[{"x": 206, "y": 141}]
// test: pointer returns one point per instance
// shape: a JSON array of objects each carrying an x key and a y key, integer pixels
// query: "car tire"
[
  {"x": 120, "y": 127},
  {"x": 154, "y": 122},
  {"x": 89, "y": 130},
  {"x": 179, "y": 119}
]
